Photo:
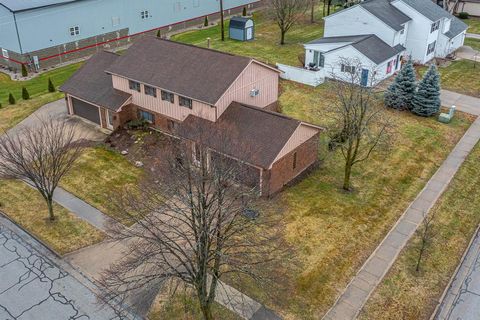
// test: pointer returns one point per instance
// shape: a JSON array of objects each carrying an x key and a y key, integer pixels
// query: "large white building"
[{"x": 379, "y": 33}]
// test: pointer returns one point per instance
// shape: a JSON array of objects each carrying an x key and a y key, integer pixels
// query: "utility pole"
[{"x": 222, "y": 27}]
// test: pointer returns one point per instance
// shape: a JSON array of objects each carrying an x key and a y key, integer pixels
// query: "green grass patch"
[
  {"x": 462, "y": 76},
  {"x": 266, "y": 45},
  {"x": 26, "y": 206},
  {"x": 37, "y": 85},
  {"x": 408, "y": 294},
  {"x": 473, "y": 25},
  {"x": 474, "y": 43},
  {"x": 97, "y": 174}
]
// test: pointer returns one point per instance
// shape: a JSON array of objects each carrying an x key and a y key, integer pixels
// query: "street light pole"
[{"x": 222, "y": 28}]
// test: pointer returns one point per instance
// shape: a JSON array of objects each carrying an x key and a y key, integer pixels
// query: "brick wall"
[{"x": 282, "y": 171}]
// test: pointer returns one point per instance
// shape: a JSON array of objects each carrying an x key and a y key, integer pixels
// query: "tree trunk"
[
  {"x": 348, "y": 173},
  {"x": 207, "y": 311},
  {"x": 222, "y": 26},
  {"x": 50, "y": 208},
  {"x": 324, "y": 5},
  {"x": 312, "y": 12},
  {"x": 328, "y": 7},
  {"x": 282, "y": 37},
  {"x": 420, "y": 256}
]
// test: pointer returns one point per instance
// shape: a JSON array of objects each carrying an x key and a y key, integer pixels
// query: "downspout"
[{"x": 18, "y": 35}]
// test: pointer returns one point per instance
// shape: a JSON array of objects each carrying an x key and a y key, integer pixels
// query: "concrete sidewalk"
[
  {"x": 472, "y": 35},
  {"x": 463, "y": 102},
  {"x": 356, "y": 294}
]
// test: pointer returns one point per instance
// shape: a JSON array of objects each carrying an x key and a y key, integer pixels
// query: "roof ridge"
[{"x": 277, "y": 114}]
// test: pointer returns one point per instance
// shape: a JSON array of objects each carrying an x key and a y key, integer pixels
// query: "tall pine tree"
[
  {"x": 400, "y": 93},
  {"x": 426, "y": 102}
]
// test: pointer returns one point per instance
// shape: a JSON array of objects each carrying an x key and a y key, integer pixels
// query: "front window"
[
  {"x": 185, "y": 102},
  {"x": 144, "y": 115},
  {"x": 74, "y": 31},
  {"x": 144, "y": 14},
  {"x": 134, "y": 85},
  {"x": 167, "y": 96},
  {"x": 348, "y": 69},
  {"x": 150, "y": 91},
  {"x": 435, "y": 26},
  {"x": 431, "y": 47},
  {"x": 319, "y": 59}
]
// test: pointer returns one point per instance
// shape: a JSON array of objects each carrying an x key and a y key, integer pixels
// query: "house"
[
  {"x": 333, "y": 57},
  {"x": 422, "y": 27},
  {"x": 43, "y": 33},
  {"x": 184, "y": 90}
]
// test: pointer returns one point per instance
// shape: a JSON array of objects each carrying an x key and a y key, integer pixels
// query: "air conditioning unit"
[{"x": 254, "y": 92}]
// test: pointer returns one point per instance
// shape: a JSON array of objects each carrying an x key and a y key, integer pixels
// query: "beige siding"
[
  {"x": 302, "y": 134},
  {"x": 171, "y": 110},
  {"x": 255, "y": 76}
]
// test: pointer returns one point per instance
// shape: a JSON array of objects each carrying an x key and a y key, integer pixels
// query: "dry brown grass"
[
  {"x": 26, "y": 206},
  {"x": 407, "y": 294}
]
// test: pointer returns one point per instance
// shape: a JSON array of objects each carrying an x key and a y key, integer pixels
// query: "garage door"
[{"x": 86, "y": 110}]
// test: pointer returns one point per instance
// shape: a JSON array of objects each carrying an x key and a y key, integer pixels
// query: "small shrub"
[
  {"x": 463, "y": 15},
  {"x": 11, "y": 99},
  {"x": 24, "y": 71},
  {"x": 205, "y": 22},
  {"x": 25, "y": 94},
  {"x": 138, "y": 124},
  {"x": 51, "y": 86},
  {"x": 1, "y": 105},
  {"x": 244, "y": 13},
  {"x": 159, "y": 33}
]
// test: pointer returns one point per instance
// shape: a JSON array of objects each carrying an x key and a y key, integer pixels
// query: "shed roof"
[
  {"x": 23, "y": 5},
  {"x": 386, "y": 12},
  {"x": 92, "y": 84},
  {"x": 247, "y": 133},
  {"x": 198, "y": 73},
  {"x": 239, "y": 22},
  {"x": 369, "y": 45}
]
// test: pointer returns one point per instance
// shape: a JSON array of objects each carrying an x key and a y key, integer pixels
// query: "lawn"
[
  {"x": 35, "y": 86},
  {"x": 97, "y": 174},
  {"x": 266, "y": 46},
  {"x": 462, "y": 76},
  {"x": 474, "y": 25},
  {"x": 25, "y": 205},
  {"x": 330, "y": 233},
  {"x": 474, "y": 43},
  {"x": 407, "y": 294}
]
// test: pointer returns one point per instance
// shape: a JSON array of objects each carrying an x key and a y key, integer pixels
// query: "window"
[
  {"x": 318, "y": 59},
  {"x": 74, "y": 31},
  {"x": 144, "y": 115},
  {"x": 402, "y": 31},
  {"x": 389, "y": 66},
  {"x": 294, "y": 161},
  {"x": 150, "y": 91},
  {"x": 134, "y": 85},
  {"x": 185, "y": 102},
  {"x": 5, "y": 53},
  {"x": 167, "y": 96},
  {"x": 435, "y": 26},
  {"x": 431, "y": 47},
  {"x": 144, "y": 14},
  {"x": 349, "y": 69},
  {"x": 115, "y": 21}
]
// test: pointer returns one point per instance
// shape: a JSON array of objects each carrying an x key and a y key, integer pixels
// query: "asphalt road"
[{"x": 36, "y": 285}]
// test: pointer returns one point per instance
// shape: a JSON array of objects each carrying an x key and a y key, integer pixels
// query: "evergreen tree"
[
  {"x": 205, "y": 22},
  {"x": 25, "y": 94},
  {"x": 11, "y": 98},
  {"x": 399, "y": 94},
  {"x": 244, "y": 13},
  {"x": 427, "y": 98},
  {"x": 24, "y": 71},
  {"x": 51, "y": 87}
]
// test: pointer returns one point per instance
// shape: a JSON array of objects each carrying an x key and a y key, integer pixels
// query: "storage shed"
[{"x": 241, "y": 28}]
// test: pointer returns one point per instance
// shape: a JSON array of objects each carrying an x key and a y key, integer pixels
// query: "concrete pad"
[
  {"x": 376, "y": 266},
  {"x": 396, "y": 240},
  {"x": 466, "y": 308},
  {"x": 355, "y": 296},
  {"x": 362, "y": 284},
  {"x": 421, "y": 204},
  {"x": 342, "y": 311},
  {"x": 405, "y": 227},
  {"x": 368, "y": 277},
  {"x": 387, "y": 252}
]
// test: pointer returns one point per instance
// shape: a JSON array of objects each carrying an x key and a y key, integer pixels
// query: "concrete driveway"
[
  {"x": 36, "y": 285},
  {"x": 57, "y": 110},
  {"x": 464, "y": 103}
]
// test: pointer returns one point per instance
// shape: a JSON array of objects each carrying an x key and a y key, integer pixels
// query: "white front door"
[
  {"x": 249, "y": 33},
  {"x": 109, "y": 119}
]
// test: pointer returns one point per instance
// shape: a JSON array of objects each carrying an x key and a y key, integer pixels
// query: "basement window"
[{"x": 74, "y": 31}]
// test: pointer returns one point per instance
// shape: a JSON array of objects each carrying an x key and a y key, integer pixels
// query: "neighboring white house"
[
  {"x": 422, "y": 27},
  {"x": 338, "y": 57}
]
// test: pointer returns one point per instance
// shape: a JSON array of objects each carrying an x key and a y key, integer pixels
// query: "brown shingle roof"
[
  {"x": 251, "y": 134},
  {"x": 198, "y": 73},
  {"x": 92, "y": 84}
]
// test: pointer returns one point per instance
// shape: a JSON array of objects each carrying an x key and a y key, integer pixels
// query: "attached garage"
[{"x": 86, "y": 110}]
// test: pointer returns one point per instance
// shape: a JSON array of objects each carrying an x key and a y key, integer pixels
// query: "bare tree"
[
  {"x": 312, "y": 10},
  {"x": 191, "y": 225},
  {"x": 360, "y": 122},
  {"x": 286, "y": 14},
  {"x": 426, "y": 234},
  {"x": 40, "y": 155}
]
